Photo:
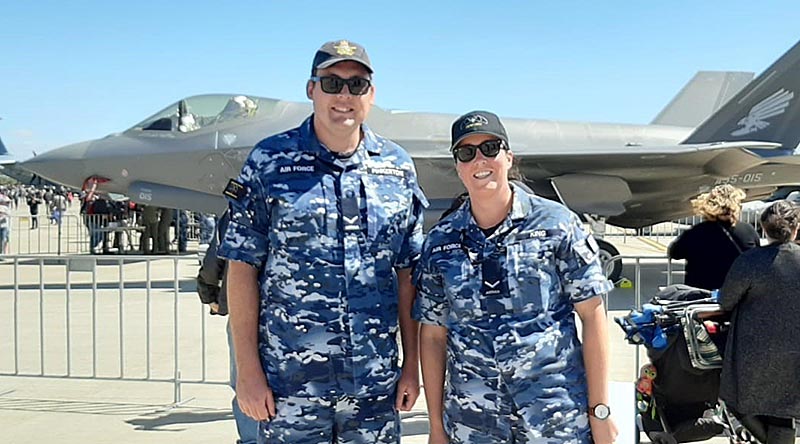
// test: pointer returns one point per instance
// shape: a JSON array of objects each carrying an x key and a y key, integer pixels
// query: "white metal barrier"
[
  {"x": 134, "y": 318},
  {"x": 138, "y": 318},
  {"x": 74, "y": 234},
  {"x": 41, "y": 235}
]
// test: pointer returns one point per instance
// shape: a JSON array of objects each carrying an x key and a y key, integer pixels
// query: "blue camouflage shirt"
[
  {"x": 508, "y": 304},
  {"x": 326, "y": 234}
]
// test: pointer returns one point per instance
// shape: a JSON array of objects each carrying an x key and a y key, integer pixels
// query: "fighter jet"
[{"x": 627, "y": 175}]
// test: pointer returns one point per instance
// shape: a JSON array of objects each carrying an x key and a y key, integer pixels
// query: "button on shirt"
[
  {"x": 325, "y": 234},
  {"x": 508, "y": 301}
]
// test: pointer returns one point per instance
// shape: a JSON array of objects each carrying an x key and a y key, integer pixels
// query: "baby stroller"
[{"x": 684, "y": 332}]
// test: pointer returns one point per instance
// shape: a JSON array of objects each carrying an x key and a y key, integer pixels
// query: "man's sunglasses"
[
  {"x": 358, "y": 86},
  {"x": 490, "y": 148}
]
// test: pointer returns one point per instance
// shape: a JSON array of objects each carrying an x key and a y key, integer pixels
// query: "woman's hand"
[{"x": 604, "y": 431}]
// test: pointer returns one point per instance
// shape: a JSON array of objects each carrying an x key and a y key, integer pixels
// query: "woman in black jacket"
[
  {"x": 761, "y": 367},
  {"x": 711, "y": 246}
]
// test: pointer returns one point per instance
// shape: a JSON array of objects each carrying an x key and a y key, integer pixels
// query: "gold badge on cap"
[{"x": 345, "y": 49}]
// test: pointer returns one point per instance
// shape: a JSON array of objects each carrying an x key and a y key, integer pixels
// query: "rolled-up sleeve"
[{"x": 246, "y": 239}]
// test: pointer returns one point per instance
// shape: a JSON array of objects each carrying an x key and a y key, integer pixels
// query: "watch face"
[{"x": 601, "y": 411}]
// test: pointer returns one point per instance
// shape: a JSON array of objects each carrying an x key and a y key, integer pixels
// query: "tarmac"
[{"x": 83, "y": 409}]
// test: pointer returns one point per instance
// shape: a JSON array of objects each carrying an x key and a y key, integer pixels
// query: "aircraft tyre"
[{"x": 611, "y": 263}]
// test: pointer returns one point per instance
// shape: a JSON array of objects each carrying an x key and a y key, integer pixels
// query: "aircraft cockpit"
[{"x": 197, "y": 112}]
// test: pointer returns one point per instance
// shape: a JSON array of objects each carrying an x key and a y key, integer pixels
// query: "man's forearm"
[
  {"x": 243, "y": 298},
  {"x": 409, "y": 328}
]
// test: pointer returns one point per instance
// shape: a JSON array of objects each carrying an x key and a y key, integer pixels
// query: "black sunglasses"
[
  {"x": 358, "y": 86},
  {"x": 489, "y": 148}
]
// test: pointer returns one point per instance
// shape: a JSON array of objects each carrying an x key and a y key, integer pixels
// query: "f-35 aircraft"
[{"x": 719, "y": 129}]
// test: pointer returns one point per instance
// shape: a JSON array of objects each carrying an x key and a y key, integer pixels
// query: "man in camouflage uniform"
[
  {"x": 323, "y": 217},
  {"x": 500, "y": 297}
]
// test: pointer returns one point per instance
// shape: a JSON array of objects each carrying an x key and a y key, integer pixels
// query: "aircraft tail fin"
[
  {"x": 705, "y": 93},
  {"x": 3, "y": 149},
  {"x": 767, "y": 109}
]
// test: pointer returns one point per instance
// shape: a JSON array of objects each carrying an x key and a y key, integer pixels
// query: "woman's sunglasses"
[
  {"x": 358, "y": 86},
  {"x": 490, "y": 148}
]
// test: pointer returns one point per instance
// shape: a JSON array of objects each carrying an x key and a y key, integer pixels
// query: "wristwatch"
[{"x": 600, "y": 411}]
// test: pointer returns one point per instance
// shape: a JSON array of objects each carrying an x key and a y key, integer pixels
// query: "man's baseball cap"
[
  {"x": 477, "y": 122},
  {"x": 340, "y": 51}
]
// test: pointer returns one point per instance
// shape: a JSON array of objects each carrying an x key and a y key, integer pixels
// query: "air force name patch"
[
  {"x": 235, "y": 190},
  {"x": 387, "y": 171},
  {"x": 296, "y": 169},
  {"x": 445, "y": 247},
  {"x": 538, "y": 233}
]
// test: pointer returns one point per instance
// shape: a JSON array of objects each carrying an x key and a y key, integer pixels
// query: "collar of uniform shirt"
[{"x": 368, "y": 138}]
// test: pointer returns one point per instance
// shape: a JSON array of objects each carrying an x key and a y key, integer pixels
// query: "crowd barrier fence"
[{"x": 138, "y": 318}]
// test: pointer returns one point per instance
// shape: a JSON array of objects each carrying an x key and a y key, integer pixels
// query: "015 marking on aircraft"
[{"x": 740, "y": 179}]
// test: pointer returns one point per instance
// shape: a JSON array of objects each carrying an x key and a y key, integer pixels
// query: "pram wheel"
[
  {"x": 661, "y": 438},
  {"x": 743, "y": 436}
]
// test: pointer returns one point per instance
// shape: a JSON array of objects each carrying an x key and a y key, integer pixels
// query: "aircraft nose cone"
[{"x": 63, "y": 165}]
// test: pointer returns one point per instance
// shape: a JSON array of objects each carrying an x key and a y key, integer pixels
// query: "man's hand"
[
  {"x": 254, "y": 396},
  {"x": 603, "y": 431},
  {"x": 407, "y": 389}
]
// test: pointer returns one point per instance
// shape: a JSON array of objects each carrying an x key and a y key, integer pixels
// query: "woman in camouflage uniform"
[{"x": 498, "y": 282}]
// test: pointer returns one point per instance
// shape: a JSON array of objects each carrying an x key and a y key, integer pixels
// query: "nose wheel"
[{"x": 610, "y": 260}]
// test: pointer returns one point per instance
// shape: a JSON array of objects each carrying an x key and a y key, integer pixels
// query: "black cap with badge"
[
  {"x": 477, "y": 122},
  {"x": 340, "y": 51}
]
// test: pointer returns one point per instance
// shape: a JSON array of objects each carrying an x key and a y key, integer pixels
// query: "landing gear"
[
  {"x": 610, "y": 260},
  {"x": 609, "y": 255}
]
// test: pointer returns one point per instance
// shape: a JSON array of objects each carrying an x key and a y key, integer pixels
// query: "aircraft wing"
[
  {"x": 637, "y": 186},
  {"x": 632, "y": 186}
]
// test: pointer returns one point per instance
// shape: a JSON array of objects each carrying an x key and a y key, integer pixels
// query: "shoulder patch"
[
  {"x": 587, "y": 249},
  {"x": 235, "y": 190}
]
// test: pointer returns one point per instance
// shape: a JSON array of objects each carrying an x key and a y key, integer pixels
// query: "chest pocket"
[
  {"x": 461, "y": 285},
  {"x": 532, "y": 274},
  {"x": 389, "y": 200},
  {"x": 299, "y": 214}
]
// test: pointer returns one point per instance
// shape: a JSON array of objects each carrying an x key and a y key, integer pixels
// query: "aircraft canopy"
[{"x": 196, "y": 112}]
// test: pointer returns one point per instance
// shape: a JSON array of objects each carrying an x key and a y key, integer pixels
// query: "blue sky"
[{"x": 71, "y": 71}]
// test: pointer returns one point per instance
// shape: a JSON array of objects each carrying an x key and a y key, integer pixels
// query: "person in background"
[
  {"x": 711, "y": 246},
  {"x": 149, "y": 241},
  {"x": 58, "y": 207},
  {"x": 213, "y": 291},
  {"x": 5, "y": 220},
  {"x": 761, "y": 364},
  {"x": 208, "y": 222},
  {"x": 181, "y": 220},
  {"x": 165, "y": 217},
  {"x": 499, "y": 282},
  {"x": 34, "y": 199}
]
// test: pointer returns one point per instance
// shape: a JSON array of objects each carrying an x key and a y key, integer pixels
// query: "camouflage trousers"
[
  {"x": 339, "y": 420},
  {"x": 482, "y": 411}
]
